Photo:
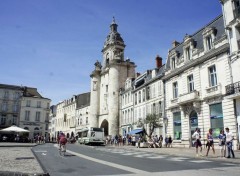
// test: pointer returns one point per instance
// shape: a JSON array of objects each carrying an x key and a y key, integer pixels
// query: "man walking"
[
  {"x": 196, "y": 135},
  {"x": 229, "y": 142}
]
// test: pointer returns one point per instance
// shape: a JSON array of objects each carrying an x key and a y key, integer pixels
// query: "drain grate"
[{"x": 24, "y": 158}]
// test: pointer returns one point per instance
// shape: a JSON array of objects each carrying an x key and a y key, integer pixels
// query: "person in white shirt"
[
  {"x": 197, "y": 136},
  {"x": 229, "y": 143}
]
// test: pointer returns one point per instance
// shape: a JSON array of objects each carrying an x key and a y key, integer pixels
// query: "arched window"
[{"x": 36, "y": 129}]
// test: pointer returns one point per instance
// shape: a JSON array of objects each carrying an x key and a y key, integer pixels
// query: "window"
[
  {"x": 3, "y": 120},
  {"x": 209, "y": 42},
  {"x": 128, "y": 97},
  {"x": 106, "y": 88},
  {"x": 123, "y": 100},
  {"x": 15, "y": 107},
  {"x": 148, "y": 93},
  {"x": 143, "y": 95},
  {"x": 28, "y": 103},
  {"x": 139, "y": 97},
  {"x": 4, "y": 106},
  {"x": 212, "y": 76},
  {"x": 190, "y": 83},
  {"x": 46, "y": 127},
  {"x": 48, "y": 105},
  {"x": 27, "y": 115},
  {"x": 81, "y": 121},
  {"x": 173, "y": 63},
  {"x": 47, "y": 116},
  {"x": 16, "y": 95},
  {"x": 160, "y": 108},
  {"x": 14, "y": 120},
  {"x": 37, "y": 116},
  {"x": 177, "y": 125},
  {"x": 175, "y": 90},
  {"x": 38, "y": 104},
  {"x": 86, "y": 120},
  {"x": 135, "y": 98},
  {"x": 188, "y": 53},
  {"x": 6, "y": 94},
  {"x": 216, "y": 116}
]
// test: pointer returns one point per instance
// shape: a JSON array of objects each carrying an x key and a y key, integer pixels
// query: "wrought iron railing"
[{"x": 233, "y": 88}]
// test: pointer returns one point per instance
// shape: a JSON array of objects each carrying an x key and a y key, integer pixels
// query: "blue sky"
[{"x": 53, "y": 44}]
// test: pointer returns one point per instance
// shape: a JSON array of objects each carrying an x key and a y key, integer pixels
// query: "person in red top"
[{"x": 62, "y": 140}]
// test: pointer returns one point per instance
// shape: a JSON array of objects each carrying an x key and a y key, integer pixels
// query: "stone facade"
[
  {"x": 24, "y": 107},
  {"x": 231, "y": 12},
  {"x": 106, "y": 81}
]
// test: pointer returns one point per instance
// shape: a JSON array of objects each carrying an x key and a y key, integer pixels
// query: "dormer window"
[
  {"x": 173, "y": 63},
  {"x": 188, "y": 53},
  {"x": 208, "y": 38},
  {"x": 209, "y": 42},
  {"x": 189, "y": 45}
]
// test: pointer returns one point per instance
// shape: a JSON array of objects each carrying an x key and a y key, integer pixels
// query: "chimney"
[
  {"x": 137, "y": 74},
  {"x": 175, "y": 43},
  {"x": 158, "y": 61}
]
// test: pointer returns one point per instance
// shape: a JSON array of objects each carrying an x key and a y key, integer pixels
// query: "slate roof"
[
  {"x": 218, "y": 23},
  {"x": 83, "y": 100}
]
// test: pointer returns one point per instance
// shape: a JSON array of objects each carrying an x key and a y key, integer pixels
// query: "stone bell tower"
[{"x": 107, "y": 79}]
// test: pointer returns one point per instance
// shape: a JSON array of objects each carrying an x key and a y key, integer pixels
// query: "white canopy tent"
[{"x": 14, "y": 129}]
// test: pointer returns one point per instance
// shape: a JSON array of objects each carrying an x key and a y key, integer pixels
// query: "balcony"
[
  {"x": 233, "y": 90},
  {"x": 213, "y": 91},
  {"x": 189, "y": 97}
]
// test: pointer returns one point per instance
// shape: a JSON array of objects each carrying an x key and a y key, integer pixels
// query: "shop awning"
[{"x": 135, "y": 131}]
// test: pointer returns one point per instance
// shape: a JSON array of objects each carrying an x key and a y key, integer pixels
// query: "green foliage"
[{"x": 151, "y": 122}]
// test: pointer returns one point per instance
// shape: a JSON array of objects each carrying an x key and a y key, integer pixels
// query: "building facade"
[
  {"x": 65, "y": 120},
  {"x": 24, "y": 107},
  {"x": 231, "y": 13},
  {"x": 197, "y": 72}
]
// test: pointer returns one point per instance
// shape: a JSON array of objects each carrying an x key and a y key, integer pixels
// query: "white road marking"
[
  {"x": 43, "y": 153},
  {"x": 178, "y": 159},
  {"x": 144, "y": 155},
  {"x": 156, "y": 157},
  {"x": 40, "y": 151},
  {"x": 200, "y": 161}
]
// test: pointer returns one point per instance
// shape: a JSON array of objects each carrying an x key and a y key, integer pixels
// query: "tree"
[{"x": 148, "y": 124}]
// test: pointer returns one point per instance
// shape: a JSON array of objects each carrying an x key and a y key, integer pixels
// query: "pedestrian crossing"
[{"x": 149, "y": 155}]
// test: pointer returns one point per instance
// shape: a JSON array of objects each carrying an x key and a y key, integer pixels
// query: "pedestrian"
[
  {"x": 210, "y": 141},
  {"x": 169, "y": 141},
  {"x": 197, "y": 136},
  {"x": 229, "y": 143},
  {"x": 160, "y": 140},
  {"x": 166, "y": 141},
  {"x": 222, "y": 143}
]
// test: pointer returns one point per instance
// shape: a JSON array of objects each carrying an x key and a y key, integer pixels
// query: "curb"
[{"x": 21, "y": 174}]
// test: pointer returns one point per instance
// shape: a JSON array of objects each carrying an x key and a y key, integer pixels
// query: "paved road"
[{"x": 87, "y": 160}]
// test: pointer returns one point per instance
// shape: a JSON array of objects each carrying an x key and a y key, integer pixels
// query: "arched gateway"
[{"x": 105, "y": 126}]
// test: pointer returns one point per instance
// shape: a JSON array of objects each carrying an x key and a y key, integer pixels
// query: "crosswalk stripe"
[
  {"x": 200, "y": 161},
  {"x": 156, "y": 157}
]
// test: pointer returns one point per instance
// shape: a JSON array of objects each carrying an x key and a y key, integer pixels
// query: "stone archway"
[
  {"x": 104, "y": 125},
  {"x": 193, "y": 124}
]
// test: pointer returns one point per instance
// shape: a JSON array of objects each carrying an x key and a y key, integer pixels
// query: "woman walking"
[
  {"x": 210, "y": 141},
  {"x": 222, "y": 142}
]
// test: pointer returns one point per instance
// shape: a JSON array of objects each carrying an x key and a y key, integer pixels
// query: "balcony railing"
[
  {"x": 189, "y": 97},
  {"x": 233, "y": 88}
]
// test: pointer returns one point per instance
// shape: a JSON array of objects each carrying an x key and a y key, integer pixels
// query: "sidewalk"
[
  {"x": 17, "y": 159},
  {"x": 184, "y": 152}
]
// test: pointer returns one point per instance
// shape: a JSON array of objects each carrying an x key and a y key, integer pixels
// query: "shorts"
[
  {"x": 198, "y": 143},
  {"x": 209, "y": 144}
]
